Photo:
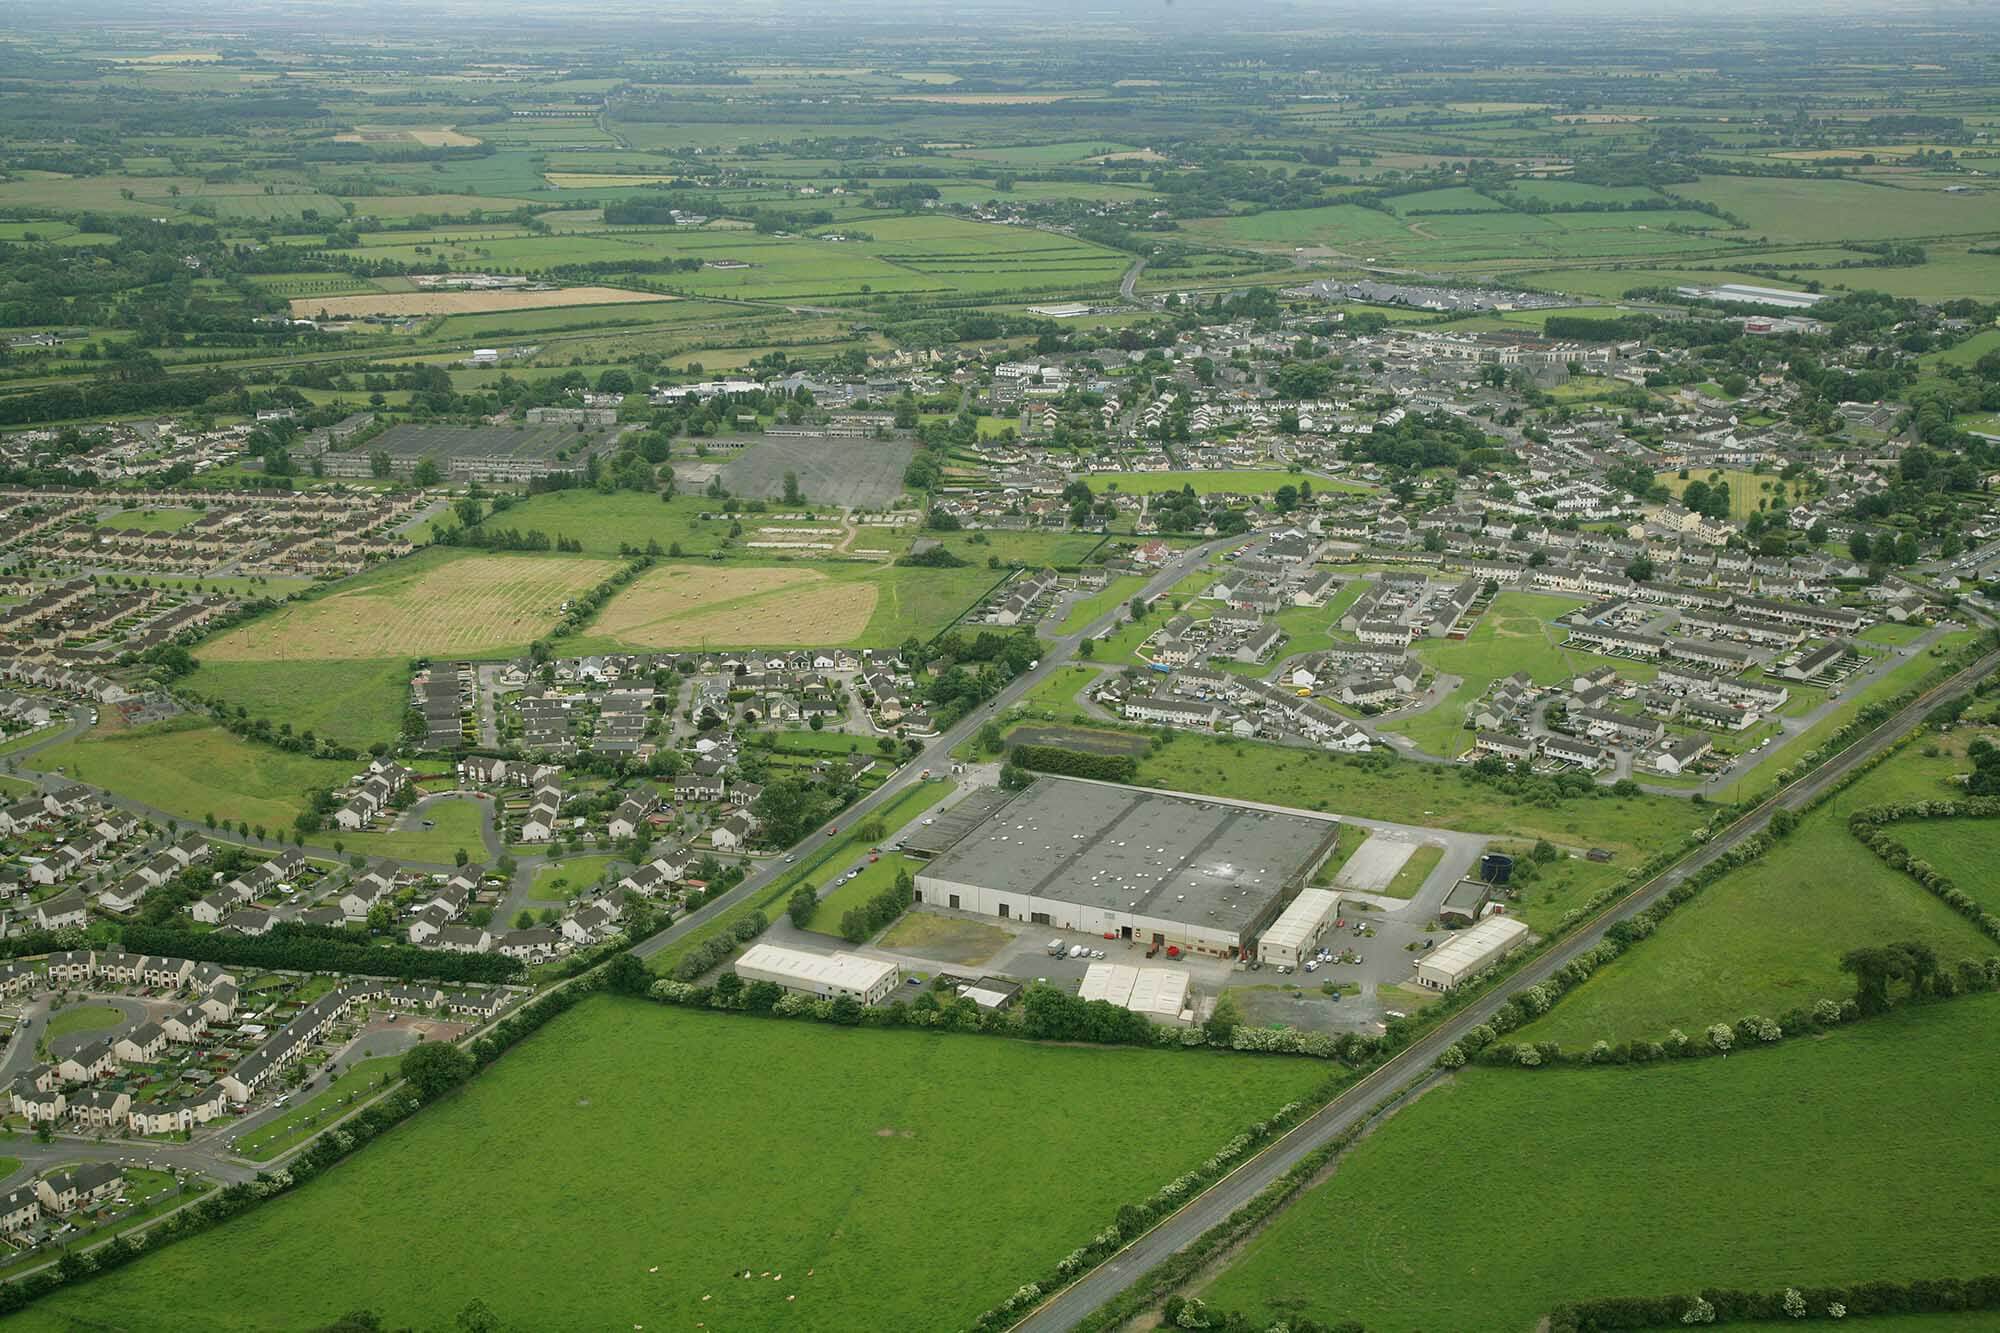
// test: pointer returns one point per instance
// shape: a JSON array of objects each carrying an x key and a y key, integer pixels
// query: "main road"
[
  {"x": 1057, "y": 650},
  {"x": 1415, "y": 1062}
]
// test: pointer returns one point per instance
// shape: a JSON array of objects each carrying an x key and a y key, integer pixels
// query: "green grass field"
[
  {"x": 457, "y": 827},
  {"x": 195, "y": 771},
  {"x": 1967, "y": 850},
  {"x": 569, "y": 877},
  {"x": 1429, "y": 794},
  {"x": 1762, "y": 939},
  {"x": 825, "y": 1193},
  {"x": 871, "y": 881},
  {"x": 149, "y": 520},
  {"x": 355, "y": 703},
  {"x": 1086, "y": 610},
  {"x": 1503, "y": 1193},
  {"x": 84, "y": 1018}
]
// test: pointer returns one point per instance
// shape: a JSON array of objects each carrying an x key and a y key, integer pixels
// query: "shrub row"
[
  {"x": 1718, "y": 1305},
  {"x": 1076, "y": 763},
  {"x": 858, "y": 923},
  {"x": 297, "y": 948},
  {"x": 710, "y": 952}
]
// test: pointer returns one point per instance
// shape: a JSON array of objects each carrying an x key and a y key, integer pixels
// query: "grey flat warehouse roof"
[{"x": 1172, "y": 858}]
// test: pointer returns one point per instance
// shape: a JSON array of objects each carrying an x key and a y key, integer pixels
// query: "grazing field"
[
  {"x": 447, "y": 604},
  {"x": 354, "y": 702},
  {"x": 1807, "y": 1160},
  {"x": 697, "y": 606},
  {"x": 823, "y": 1204},
  {"x": 1967, "y": 850},
  {"x": 462, "y": 303},
  {"x": 1761, "y": 940},
  {"x": 192, "y": 771}
]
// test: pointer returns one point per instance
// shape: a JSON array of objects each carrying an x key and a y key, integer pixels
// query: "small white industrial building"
[
  {"x": 1159, "y": 993},
  {"x": 824, "y": 976},
  {"x": 1297, "y": 931},
  {"x": 1469, "y": 951}
]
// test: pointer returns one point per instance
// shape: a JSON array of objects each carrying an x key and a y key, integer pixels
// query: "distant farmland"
[{"x": 462, "y": 303}]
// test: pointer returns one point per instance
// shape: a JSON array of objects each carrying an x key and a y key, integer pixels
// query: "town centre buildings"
[{"x": 1136, "y": 865}]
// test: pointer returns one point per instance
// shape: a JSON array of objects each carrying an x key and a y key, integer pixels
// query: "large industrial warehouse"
[{"x": 1166, "y": 870}]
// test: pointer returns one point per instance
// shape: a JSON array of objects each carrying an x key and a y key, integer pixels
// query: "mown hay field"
[
  {"x": 472, "y": 604},
  {"x": 464, "y": 303},
  {"x": 692, "y": 606}
]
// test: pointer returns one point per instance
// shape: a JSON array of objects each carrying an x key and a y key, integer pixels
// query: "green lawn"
[
  {"x": 1799, "y": 1165},
  {"x": 832, "y": 1206},
  {"x": 457, "y": 828},
  {"x": 149, "y": 520},
  {"x": 355, "y": 703},
  {"x": 1381, "y": 787},
  {"x": 1085, "y": 610},
  {"x": 352, "y": 1085},
  {"x": 1762, "y": 939},
  {"x": 1517, "y": 633},
  {"x": 569, "y": 877},
  {"x": 871, "y": 881},
  {"x": 192, "y": 771},
  {"x": 84, "y": 1018}
]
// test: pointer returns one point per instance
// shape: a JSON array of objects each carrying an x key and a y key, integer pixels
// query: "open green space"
[
  {"x": 1086, "y": 611},
  {"x": 1517, "y": 633},
  {"x": 84, "y": 1018},
  {"x": 567, "y": 878},
  {"x": 355, "y": 703},
  {"x": 456, "y": 824},
  {"x": 821, "y": 1209},
  {"x": 1807, "y": 1159},
  {"x": 192, "y": 769},
  {"x": 873, "y": 879},
  {"x": 149, "y": 520},
  {"x": 1379, "y": 786}
]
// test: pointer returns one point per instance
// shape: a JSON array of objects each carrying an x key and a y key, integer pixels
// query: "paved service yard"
[
  {"x": 1375, "y": 862},
  {"x": 847, "y": 474}
]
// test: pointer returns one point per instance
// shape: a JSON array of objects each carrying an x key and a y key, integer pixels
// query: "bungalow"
[{"x": 1682, "y": 754}]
